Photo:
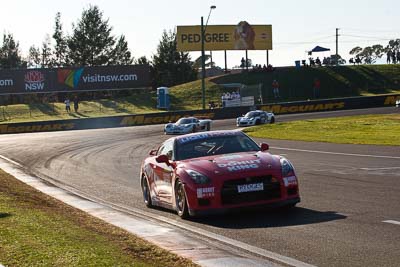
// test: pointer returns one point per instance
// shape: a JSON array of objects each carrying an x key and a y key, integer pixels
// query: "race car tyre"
[
  {"x": 146, "y": 192},
  {"x": 194, "y": 129},
  {"x": 208, "y": 127},
  {"x": 258, "y": 122},
  {"x": 272, "y": 120},
  {"x": 180, "y": 200}
]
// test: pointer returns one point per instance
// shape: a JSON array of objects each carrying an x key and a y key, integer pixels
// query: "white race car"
[
  {"x": 187, "y": 125},
  {"x": 255, "y": 117}
]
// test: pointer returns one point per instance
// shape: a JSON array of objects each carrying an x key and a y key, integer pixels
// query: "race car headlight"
[
  {"x": 168, "y": 126},
  {"x": 287, "y": 167},
  {"x": 187, "y": 125},
  {"x": 197, "y": 177},
  {"x": 252, "y": 118}
]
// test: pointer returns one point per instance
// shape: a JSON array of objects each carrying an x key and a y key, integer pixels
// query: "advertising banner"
[
  {"x": 242, "y": 36},
  {"x": 74, "y": 79},
  {"x": 214, "y": 114}
]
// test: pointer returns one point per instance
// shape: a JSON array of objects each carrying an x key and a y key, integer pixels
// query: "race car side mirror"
[
  {"x": 264, "y": 146},
  {"x": 153, "y": 152},
  {"x": 163, "y": 159}
]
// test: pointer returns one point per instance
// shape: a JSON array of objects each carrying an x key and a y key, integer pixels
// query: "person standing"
[
  {"x": 275, "y": 89},
  {"x": 76, "y": 104},
  {"x": 316, "y": 87},
  {"x": 67, "y": 105},
  {"x": 388, "y": 56}
]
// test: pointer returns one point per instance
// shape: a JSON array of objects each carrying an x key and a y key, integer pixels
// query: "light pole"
[{"x": 203, "y": 60}]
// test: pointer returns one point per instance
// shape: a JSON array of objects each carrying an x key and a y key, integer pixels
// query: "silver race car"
[
  {"x": 255, "y": 117},
  {"x": 187, "y": 125}
]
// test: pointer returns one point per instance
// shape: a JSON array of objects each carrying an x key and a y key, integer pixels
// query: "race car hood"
[{"x": 231, "y": 164}]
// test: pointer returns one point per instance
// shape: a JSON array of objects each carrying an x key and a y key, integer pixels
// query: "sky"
[{"x": 297, "y": 26}]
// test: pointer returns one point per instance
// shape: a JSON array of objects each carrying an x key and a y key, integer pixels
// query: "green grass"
[
  {"x": 368, "y": 129},
  {"x": 134, "y": 104},
  {"x": 36, "y": 230},
  {"x": 295, "y": 84}
]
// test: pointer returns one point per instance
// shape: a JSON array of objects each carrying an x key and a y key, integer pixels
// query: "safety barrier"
[{"x": 216, "y": 114}]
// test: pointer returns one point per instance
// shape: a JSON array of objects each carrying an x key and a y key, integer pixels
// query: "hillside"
[{"x": 295, "y": 84}]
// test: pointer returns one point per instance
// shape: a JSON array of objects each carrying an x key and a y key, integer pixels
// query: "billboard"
[
  {"x": 74, "y": 79},
  {"x": 242, "y": 36}
]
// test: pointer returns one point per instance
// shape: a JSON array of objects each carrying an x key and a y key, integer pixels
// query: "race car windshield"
[
  {"x": 251, "y": 114},
  {"x": 184, "y": 121},
  {"x": 215, "y": 145}
]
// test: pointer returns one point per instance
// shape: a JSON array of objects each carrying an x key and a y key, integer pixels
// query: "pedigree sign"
[{"x": 242, "y": 36}]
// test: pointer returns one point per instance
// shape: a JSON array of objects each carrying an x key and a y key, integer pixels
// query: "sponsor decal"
[
  {"x": 69, "y": 77},
  {"x": 143, "y": 119},
  {"x": 240, "y": 165},
  {"x": 34, "y": 80},
  {"x": 205, "y": 192},
  {"x": 5, "y": 128},
  {"x": 290, "y": 181},
  {"x": 391, "y": 100},
  {"x": 186, "y": 139},
  {"x": 279, "y": 109},
  {"x": 230, "y": 157}
]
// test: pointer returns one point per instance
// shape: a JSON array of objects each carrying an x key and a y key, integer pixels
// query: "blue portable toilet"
[
  {"x": 163, "y": 97},
  {"x": 297, "y": 63}
]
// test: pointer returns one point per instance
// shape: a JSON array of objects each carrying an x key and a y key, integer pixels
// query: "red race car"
[{"x": 203, "y": 173}]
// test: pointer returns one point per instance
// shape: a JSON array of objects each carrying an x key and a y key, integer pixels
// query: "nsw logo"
[
  {"x": 69, "y": 77},
  {"x": 34, "y": 80}
]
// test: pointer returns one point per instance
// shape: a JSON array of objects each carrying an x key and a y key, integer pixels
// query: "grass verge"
[
  {"x": 37, "y": 230},
  {"x": 366, "y": 129}
]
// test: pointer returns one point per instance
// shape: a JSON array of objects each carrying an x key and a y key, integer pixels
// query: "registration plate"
[{"x": 250, "y": 187}]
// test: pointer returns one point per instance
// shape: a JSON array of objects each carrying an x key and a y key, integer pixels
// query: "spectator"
[
  {"x": 358, "y": 60},
  {"x": 318, "y": 61},
  {"x": 388, "y": 56},
  {"x": 316, "y": 87},
  {"x": 398, "y": 55},
  {"x": 275, "y": 88},
  {"x": 67, "y": 105},
  {"x": 76, "y": 104},
  {"x": 394, "y": 57}
]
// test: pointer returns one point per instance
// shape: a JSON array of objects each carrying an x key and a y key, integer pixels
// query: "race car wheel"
[
  {"x": 146, "y": 192},
  {"x": 180, "y": 200},
  {"x": 258, "y": 122},
  {"x": 272, "y": 120},
  {"x": 194, "y": 129}
]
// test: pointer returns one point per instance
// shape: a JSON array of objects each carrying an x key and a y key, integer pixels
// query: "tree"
[
  {"x": 368, "y": 54},
  {"x": 34, "y": 57},
  {"x": 91, "y": 43},
  {"x": 171, "y": 67},
  {"x": 61, "y": 46},
  {"x": 121, "y": 53},
  {"x": 142, "y": 61},
  {"x": 197, "y": 62},
  {"x": 46, "y": 53},
  {"x": 10, "y": 54}
]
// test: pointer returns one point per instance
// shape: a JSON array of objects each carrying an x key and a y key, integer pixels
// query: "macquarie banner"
[
  {"x": 242, "y": 36},
  {"x": 74, "y": 79}
]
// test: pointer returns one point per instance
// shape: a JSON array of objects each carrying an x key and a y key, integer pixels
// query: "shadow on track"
[{"x": 264, "y": 218}]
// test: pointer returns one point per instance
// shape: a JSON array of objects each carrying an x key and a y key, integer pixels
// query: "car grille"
[{"x": 230, "y": 194}]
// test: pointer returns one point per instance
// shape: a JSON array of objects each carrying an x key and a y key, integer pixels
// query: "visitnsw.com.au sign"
[{"x": 74, "y": 79}]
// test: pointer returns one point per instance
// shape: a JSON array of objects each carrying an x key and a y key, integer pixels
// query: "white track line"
[
  {"x": 392, "y": 222},
  {"x": 336, "y": 153}
]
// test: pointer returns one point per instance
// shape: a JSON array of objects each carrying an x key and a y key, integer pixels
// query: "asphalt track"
[{"x": 350, "y": 209}]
